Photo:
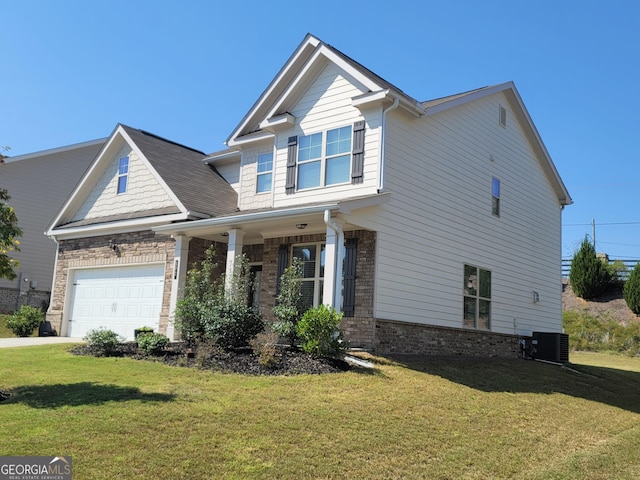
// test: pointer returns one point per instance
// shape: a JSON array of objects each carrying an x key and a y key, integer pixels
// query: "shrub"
[
  {"x": 25, "y": 320},
  {"x": 264, "y": 347},
  {"x": 601, "y": 333},
  {"x": 103, "y": 342},
  {"x": 589, "y": 275},
  {"x": 152, "y": 343},
  {"x": 209, "y": 313},
  {"x": 289, "y": 308},
  {"x": 631, "y": 290},
  {"x": 318, "y": 331}
]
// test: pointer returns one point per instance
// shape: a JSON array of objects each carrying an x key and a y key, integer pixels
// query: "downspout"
[
  {"x": 383, "y": 135},
  {"x": 338, "y": 260},
  {"x": 53, "y": 280}
]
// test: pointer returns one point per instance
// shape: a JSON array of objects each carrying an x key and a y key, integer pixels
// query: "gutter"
[
  {"x": 383, "y": 135},
  {"x": 55, "y": 272}
]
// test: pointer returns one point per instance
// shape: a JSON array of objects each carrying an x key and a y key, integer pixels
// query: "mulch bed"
[{"x": 288, "y": 361}]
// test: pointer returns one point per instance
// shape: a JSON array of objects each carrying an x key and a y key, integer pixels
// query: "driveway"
[{"x": 29, "y": 341}]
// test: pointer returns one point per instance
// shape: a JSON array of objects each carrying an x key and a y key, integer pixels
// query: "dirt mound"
[{"x": 612, "y": 304}]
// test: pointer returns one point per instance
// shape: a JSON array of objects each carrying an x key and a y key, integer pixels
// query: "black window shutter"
[
  {"x": 357, "y": 164},
  {"x": 283, "y": 261},
  {"x": 349, "y": 278},
  {"x": 292, "y": 154}
]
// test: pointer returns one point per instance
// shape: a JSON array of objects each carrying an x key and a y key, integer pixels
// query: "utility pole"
[{"x": 593, "y": 232}]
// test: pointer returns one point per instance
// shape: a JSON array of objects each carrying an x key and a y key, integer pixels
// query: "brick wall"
[
  {"x": 413, "y": 338},
  {"x": 136, "y": 248}
]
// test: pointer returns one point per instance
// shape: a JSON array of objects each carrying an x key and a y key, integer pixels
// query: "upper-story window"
[
  {"x": 123, "y": 174},
  {"x": 265, "y": 173},
  {"x": 324, "y": 158},
  {"x": 495, "y": 197}
]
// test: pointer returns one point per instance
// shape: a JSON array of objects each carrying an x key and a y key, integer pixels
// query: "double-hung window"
[
  {"x": 477, "y": 297},
  {"x": 265, "y": 171},
  {"x": 123, "y": 174},
  {"x": 312, "y": 257},
  {"x": 495, "y": 197},
  {"x": 324, "y": 158}
]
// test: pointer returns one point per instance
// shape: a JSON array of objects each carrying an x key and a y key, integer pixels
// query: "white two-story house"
[{"x": 433, "y": 226}]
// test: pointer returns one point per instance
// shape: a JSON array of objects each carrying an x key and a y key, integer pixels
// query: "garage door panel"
[{"x": 119, "y": 299}]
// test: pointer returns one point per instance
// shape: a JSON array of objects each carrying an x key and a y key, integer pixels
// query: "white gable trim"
[
  {"x": 510, "y": 91},
  {"x": 52, "y": 151},
  {"x": 153, "y": 171},
  {"x": 97, "y": 168}
]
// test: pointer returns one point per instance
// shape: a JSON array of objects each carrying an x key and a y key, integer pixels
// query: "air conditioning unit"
[{"x": 553, "y": 347}]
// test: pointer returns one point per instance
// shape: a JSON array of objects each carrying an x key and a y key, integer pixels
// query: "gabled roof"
[{"x": 196, "y": 188}]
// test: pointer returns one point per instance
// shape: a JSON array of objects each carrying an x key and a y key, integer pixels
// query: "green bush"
[
  {"x": 103, "y": 342},
  {"x": 23, "y": 322},
  {"x": 232, "y": 324},
  {"x": 319, "y": 333},
  {"x": 289, "y": 308},
  {"x": 631, "y": 290},
  {"x": 589, "y": 275},
  {"x": 602, "y": 333},
  {"x": 152, "y": 343},
  {"x": 209, "y": 313}
]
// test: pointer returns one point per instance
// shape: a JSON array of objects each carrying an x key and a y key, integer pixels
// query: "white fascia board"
[
  {"x": 153, "y": 171},
  {"x": 236, "y": 220},
  {"x": 124, "y": 226},
  {"x": 53, "y": 151},
  {"x": 308, "y": 41},
  {"x": 468, "y": 98},
  {"x": 85, "y": 178},
  {"x": 366, "y": 83},
  {"x": 371, "y": 99},
  {"x": 347, "y": 206},
  {"x": 280, "y": 121},
  {"x": 250, "y": 138},
  {"x": 548, "y": 165},
  {"x": 221, "y": 157}
]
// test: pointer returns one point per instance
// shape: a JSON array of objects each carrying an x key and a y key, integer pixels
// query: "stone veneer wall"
[
  {"x": 413, "y": 338},
  {"x": 135, "y": 248}
]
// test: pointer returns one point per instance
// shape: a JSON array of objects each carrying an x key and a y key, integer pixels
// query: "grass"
[
  {"x": 435, "y": 418},
  {"x": 601, "y": 333},
  {"x": 4, "y": 331}
]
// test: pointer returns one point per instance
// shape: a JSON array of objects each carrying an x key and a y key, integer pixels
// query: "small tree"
[
  {"x": 9, "y": 232},
  {"x": 289, "y": 308},
  {"x": 589, "y": 276},
  {"x": 631, "y": 290},
  {"x": 209, "y": 312}
]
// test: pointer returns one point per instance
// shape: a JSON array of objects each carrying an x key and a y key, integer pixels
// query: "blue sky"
[{"x": 189, "y": 70}]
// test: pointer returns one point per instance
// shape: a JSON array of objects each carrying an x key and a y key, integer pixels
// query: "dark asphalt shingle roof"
[{"x": 198, "y": 186}]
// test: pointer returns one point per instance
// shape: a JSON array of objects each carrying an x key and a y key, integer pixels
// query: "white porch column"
[
  {"x": 180, "y": 264},
  {"x": 332, "y": 292},
  {"x": 234, "y": 249}
]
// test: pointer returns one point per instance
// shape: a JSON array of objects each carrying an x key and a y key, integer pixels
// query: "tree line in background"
[{"x": 592, "y": 276}]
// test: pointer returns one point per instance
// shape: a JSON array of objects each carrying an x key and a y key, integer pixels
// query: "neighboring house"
[
  {"x": 434, "y": 226},
  {"x": 38, "y": 184}
]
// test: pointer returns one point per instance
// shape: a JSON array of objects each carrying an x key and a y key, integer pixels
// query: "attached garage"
[{"x": 116, "y": 298}]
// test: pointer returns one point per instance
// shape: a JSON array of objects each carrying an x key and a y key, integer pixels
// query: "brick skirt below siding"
[{"x": 414, "y": 338}]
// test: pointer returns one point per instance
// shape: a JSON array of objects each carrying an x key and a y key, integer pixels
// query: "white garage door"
[{"x": 119, "y": 299}]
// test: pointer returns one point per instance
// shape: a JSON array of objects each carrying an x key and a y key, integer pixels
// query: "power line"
[{"x": 599, "y": 224}]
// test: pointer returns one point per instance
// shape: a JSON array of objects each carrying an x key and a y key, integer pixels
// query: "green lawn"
[{"x": 435, "y": 419}]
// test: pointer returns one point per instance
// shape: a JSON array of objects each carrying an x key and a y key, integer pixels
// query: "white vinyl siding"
[
  {"x": 143, "y": 190},
  {"x": 324, "y": 106},
  {"x": 439, "y": 218}
]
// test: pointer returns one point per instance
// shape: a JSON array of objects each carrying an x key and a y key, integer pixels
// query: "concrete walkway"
[{"x": 29, "y": 341}]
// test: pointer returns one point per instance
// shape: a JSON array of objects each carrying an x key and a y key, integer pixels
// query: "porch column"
[
  {"x": 233, "y": 250},
  {"x": 332, "y": 291},
  {"x": 180, "y": 264}
]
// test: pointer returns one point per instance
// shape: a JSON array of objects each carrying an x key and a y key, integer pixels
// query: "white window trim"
[
  {"x": 317, "y": 279},
  {"x": 323, "y": 160},
  {"x": 258, "y": 174},
  {"x": 125, "y": 175}
]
